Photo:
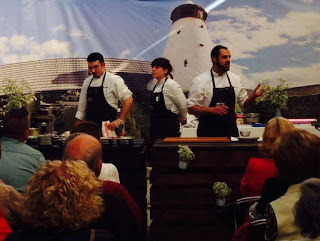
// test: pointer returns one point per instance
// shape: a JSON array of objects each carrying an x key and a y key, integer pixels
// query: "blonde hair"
[
  {"x": 274, "y": 128},
  {"x": 63, "y": 196}
]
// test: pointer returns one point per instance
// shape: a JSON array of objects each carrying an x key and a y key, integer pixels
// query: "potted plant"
[
  {"x": 18, "y": 95},
  {"x": 221, "y": 190},
  {"x": 185, "y": 156},
  {"x": 277, "y": 95}
]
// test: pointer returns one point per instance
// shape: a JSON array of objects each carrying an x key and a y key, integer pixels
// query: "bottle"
[{"x": 239, "y": 120}]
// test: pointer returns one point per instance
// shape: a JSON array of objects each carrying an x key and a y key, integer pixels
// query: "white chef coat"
[
  {"x": 201, "y": 90},
  {"x": 174, "y": 98},
  {"x": 114, "y": 90}
]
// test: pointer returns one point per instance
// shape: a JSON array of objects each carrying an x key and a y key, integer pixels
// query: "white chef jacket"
[
  {"x": 114, "y": 90},
  {"x": 174, "y": 98},
  {"x": 201, "y": 90}
]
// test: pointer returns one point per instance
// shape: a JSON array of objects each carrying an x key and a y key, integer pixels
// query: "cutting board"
[{"x": 195, "y": 139}]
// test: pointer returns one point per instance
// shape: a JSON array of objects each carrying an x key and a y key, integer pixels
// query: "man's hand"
[
  {"x": 221, "y": 110},
  {"x": 115, "y": 124},
  {"x": 258, "y": 92},
  {"x": 182, "y": 120}
]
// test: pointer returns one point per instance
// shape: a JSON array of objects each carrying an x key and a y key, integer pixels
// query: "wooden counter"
[{"x": 182, "y": 201}]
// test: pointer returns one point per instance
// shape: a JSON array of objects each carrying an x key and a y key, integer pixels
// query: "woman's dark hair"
[
  {"x": 297, "y": 154},
  {"x": 163, "y": 63},
  {"x": 94, "y": 57},
  {"x": 308, "y": 207}
]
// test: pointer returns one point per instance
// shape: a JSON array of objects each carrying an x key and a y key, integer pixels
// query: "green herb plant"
[
  {"x": 221, "y": 189},
  {"x": 19, "y": 95},
  {"x": 277, "y": 95},
  {"x": 185, "y": 153}
]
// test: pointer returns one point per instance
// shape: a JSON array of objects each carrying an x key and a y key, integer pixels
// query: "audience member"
[
  {"x": 297, "y": 156},
  {"x": 88, "y": 127},
  {"x": 260, "y": 169},
  {"x": 60, "y": 201},
  {"x": 307, "y": 215},
  {"x": 107, "y": 169},
  {"x": 89, "y": 150},
  {"x": 18, "y": 160},
  {"x": 122, "y": 215}
]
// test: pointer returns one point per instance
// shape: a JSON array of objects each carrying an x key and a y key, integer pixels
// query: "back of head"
[
  {"x": 68, "y": 194},
  {"x": 94, "y": 57},
  {"x": 307, "y": 209},
  {"x": 274, "y": 128},
  {"x": 297, "y": 155},
  {"x": 88, "y": 127},
  {"x": 215, "y": 52},
  {"x": 86, "y": 148},
  {"x": 16, "y": 122}
]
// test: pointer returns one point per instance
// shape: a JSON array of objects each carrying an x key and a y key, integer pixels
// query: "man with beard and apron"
[
  {"x": 168, "y": 103},
  {"x": 100, "y": 94},
  {"x": 213, "y": 95}
]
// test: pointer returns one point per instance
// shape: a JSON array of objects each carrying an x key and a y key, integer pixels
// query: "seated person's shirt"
[
  {"x": 119, "y": 218},
  {"x": 109, "y": 172},
  {"x": 257, "y": 172},
  {"x": 18, "y": 163}
]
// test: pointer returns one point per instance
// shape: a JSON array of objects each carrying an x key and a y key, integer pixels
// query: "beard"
[{"x": 223, "y": 68}]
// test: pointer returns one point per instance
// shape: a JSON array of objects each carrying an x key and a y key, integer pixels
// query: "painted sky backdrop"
[{"x": 267, "y": 38}]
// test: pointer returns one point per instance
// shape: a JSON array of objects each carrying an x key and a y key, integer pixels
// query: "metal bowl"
[{"x": 251, "y": 118}]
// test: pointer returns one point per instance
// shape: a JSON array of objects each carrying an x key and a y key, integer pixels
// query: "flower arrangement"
[
  {"x": 185, "y": 153},
  {"x": 221, "y": 189},
  {"x": 18, "y": 95},
  {"x": 185, "y": 156},
  {"x": 277, "y": 95}
]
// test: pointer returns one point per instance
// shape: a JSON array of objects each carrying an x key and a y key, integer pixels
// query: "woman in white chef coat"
[{"x": 168, "y": 103}]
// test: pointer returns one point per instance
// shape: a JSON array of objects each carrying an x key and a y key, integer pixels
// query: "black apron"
[
  {"x": 163, "y": 123},
  {"x": 216, "y": 125},
  {"x": 98, "y": 109}
]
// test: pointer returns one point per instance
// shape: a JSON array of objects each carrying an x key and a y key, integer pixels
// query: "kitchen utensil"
[{"x": 251, "y": 118}]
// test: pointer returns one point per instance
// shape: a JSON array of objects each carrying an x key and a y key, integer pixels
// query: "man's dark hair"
[
  {"x": 94, "y": 57},
  {"x": 216, "y": 51},
  {"x": 16, "y": 122},
  {"x": 88, "y": 127}
]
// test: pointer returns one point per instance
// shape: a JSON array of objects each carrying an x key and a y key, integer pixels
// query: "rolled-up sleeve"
[
  {"x": 82, "y": 105},
  {"x": 196, "y": 94},
  {"x": 178, "y": 98},
  {"x": 121, "y": 90},
  {"x": 243, "y": 95}
]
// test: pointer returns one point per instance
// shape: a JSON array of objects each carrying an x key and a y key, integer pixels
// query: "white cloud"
[
  {"x": 310, "y": 76},
  {"x": 60, "y": 27},
  {"x": 75, "y": 33},
  {"x": 27, "y": 49},
  {"x": 245, "y": 30},
  {"x": 20, "y": 42},
  {"x": 307, "y": 1},
  {"x": 125, "y": 54},
  {"x": 4, "y": 42}
]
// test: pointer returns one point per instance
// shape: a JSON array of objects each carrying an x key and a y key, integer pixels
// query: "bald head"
[{"x": 86, "y": 148}]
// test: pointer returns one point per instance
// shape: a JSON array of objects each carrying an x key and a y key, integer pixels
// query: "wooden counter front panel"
[{"x": 182, "y": 201}]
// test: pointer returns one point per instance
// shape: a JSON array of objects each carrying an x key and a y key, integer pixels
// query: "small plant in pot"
[
  {"x": 185, "y": 156},
  {"x": 221, "y": 190}
]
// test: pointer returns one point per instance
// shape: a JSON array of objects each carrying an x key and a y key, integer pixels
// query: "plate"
[{"x": 247, "y": 139}]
